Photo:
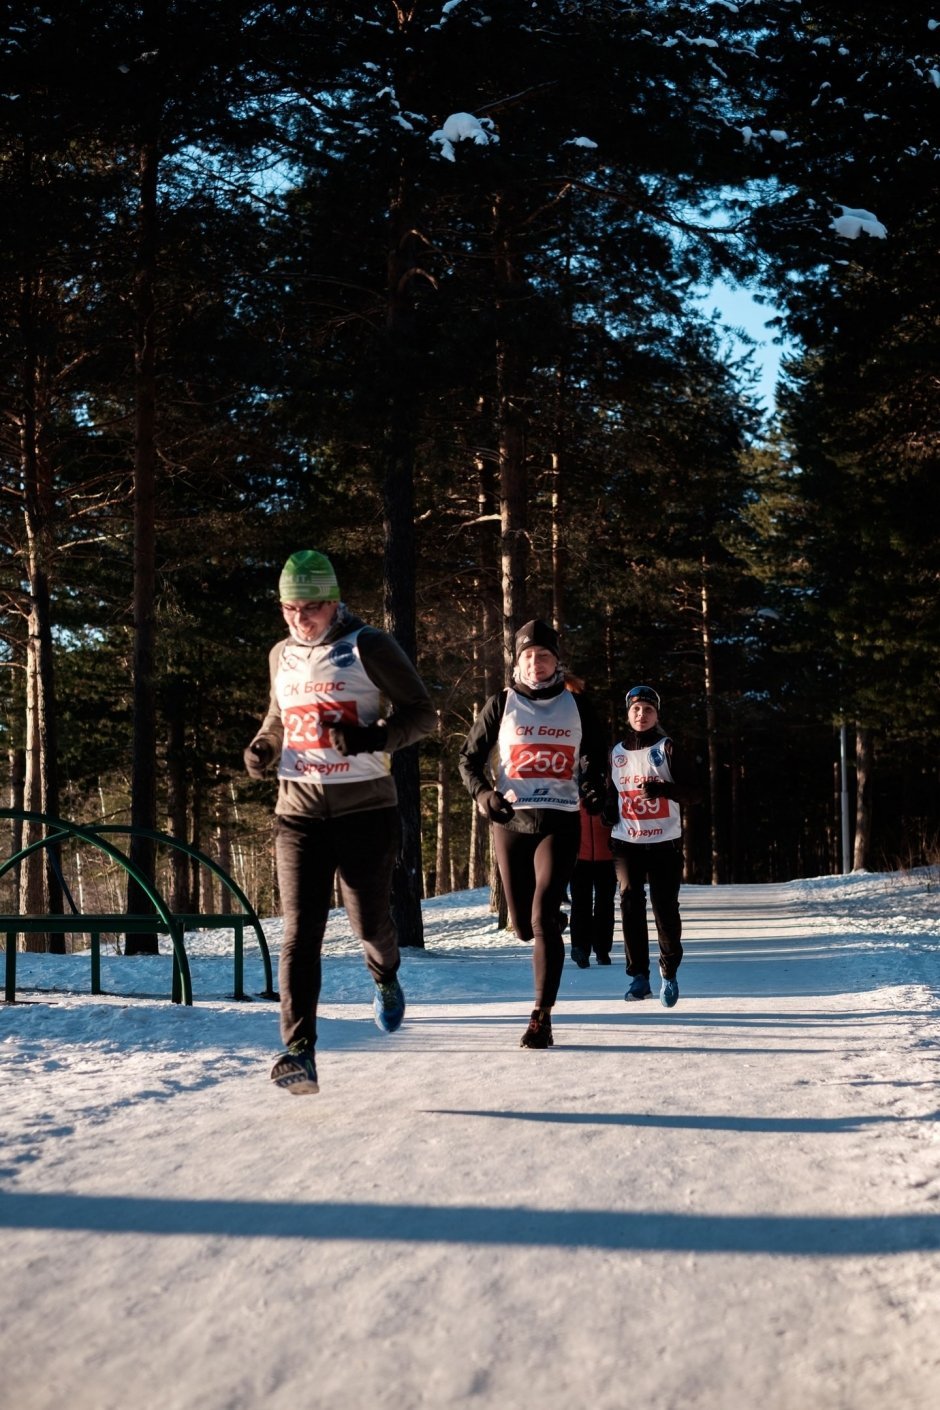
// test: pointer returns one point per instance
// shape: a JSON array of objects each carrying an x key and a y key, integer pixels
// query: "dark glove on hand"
[
  {"x": 257, "y": 758},
  {"x": 494, "y": 806},
  {"x": 654, "y": 788},
  {"x": 358, "y": 739},
  {"x": 592, "y": 796}
]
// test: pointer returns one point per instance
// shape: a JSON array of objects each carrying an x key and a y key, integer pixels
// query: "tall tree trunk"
[
  {"x": 33, "y": 896},
  {"x": 196, "y": 871},
  {"x": 177, "y": 792},
  {"x": 144, "y": 763},
  {"x": 478, "y": 854},
  {"x": 559, "y": 553},
  {"x": 558, "y": 548},
  {"x": 512, "y": 391},
  {"x": 488, "y": 646},
  {"x": 197, "y": 785},
  {"x": 737, "y": 819},
  {"x": 711, "y": 728},
  {"x": 615, "y": 707},
  {"x": 16, "y": 759},
  {"x": 398, "y": 514},
  {"x": 442, "y": 858},
  {"x": 864, "y": 756},
  {"x": 223, "y": 844},
  {"x": 499, "y": 906},
  {"x": 44, "y": 890},
  {"x": 490, "y": 674},
  {"x": 478, "y": 849}
]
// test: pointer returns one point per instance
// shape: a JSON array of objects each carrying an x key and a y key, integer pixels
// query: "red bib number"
[
  {"x": 305, "y": 726},
  {"x": 633, "y": 806},
  {"x": 541, "y": 761}
]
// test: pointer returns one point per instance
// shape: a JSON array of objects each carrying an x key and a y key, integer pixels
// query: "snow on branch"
[
  {"x": 852, "y": 223},
  {"x": 463, "y": 127}
]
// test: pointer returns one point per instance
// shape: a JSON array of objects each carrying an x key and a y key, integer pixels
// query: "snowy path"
[{"x": 729, "y": 1204}]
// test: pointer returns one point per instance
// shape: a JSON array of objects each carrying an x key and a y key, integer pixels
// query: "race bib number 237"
[{"x": 307, "y": 726}]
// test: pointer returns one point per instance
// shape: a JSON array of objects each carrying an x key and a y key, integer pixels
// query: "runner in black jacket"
[
  {"x": 650, "y": 783},
  {"x": 548, "y": 752}
]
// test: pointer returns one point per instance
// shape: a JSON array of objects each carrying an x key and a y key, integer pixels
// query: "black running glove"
[
  {"x": 494, "y": 806},
  {"x": 358, "y": 739},
  {"x": 257, "y": 757},
  {"x": 592, "y": 796}
]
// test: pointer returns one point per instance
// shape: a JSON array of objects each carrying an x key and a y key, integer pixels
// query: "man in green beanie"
[{"x": 331, "y": 733}]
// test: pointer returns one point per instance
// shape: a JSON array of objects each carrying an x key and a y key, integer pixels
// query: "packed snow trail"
[{"x": 734, "y": 1202}]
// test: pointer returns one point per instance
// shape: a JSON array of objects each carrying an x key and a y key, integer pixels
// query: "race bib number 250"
[{"x": 541, "y": 761}]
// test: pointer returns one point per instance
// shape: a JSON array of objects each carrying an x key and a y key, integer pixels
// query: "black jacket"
[{"x": 481, "y": 741}]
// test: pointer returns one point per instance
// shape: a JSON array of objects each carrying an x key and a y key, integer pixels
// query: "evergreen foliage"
[{"x": 425, "y": 284}]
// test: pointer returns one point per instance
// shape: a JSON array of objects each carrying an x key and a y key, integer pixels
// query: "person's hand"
[
  {"x": 494, "y": 806},
  {"x": 358, "y": 739},
  {"x": 654, "y": 788},
  {"x": 258, "y": 756},
  {"x": 592, "y": 796}
]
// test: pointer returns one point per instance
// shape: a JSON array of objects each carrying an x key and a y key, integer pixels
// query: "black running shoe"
[
  {"x": 581, "y": 957},
  {"x": 539, "y": 1032},
  {"x": 296, "y": 1070}
]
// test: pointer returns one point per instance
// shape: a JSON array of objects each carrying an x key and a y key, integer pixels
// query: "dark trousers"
[
  {"x": 535, "y": 869},
  {"x": 361, "y": 848},
  {"x": 660, "y": 865},
  {"x": 592, "y": 889}
]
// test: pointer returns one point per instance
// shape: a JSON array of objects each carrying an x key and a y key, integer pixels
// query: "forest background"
[{"x": 420, "y": 285}]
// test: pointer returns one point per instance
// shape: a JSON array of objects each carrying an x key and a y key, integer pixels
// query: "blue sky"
[{"x": 738, "y": 309}]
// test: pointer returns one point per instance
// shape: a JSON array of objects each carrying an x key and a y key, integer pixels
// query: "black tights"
[
  {"x": 535, "y": 869},
  {"x": 658, "y": 865},
  {"x": 362, "y": 848}
]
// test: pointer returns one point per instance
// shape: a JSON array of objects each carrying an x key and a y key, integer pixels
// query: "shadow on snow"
[{"x": 648, "y": 1231}]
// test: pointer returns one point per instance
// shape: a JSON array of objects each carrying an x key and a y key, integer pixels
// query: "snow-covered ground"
[{"x": 733, "y": 1203}]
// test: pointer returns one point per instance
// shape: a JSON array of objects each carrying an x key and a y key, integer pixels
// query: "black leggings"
[
  {"x": 535, "y": 870},
  {"x": 362, "y": 848},
  {"x": 658, "y": 864}
]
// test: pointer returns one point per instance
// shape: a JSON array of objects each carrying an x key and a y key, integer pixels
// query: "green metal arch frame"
[
  {"x": 127, "y": 829},
  {"x": 85, "y": 834}
]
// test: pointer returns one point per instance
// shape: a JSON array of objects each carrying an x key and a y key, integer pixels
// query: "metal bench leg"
[
  {"x": 11, "y": 967},
  {"x": 239, "y": 930},
  {"x": 95, "y": 963}
]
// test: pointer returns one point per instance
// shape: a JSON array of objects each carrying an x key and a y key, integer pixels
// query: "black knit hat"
[{"x": 537, "y": 633}]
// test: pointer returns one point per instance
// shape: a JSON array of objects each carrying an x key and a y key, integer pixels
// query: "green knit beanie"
[{"x": 308, "y": 576}]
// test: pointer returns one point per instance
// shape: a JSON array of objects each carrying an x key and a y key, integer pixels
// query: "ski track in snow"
[{"x": 733, "y": 1202}]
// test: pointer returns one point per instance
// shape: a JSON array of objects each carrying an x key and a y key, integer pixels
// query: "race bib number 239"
[{"x": 633, "y": 806}]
